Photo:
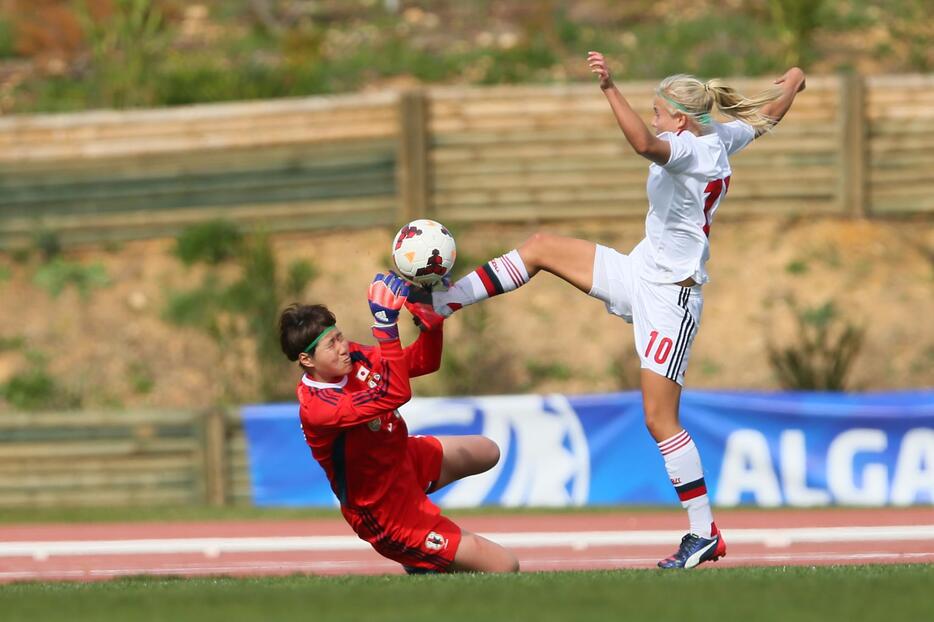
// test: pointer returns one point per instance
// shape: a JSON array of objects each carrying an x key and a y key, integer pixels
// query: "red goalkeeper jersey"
[{"x": 358, "y": 437}]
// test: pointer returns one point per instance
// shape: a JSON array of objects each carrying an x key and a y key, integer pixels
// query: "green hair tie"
[
  {"x": 318, "y": 338},
  {"x": 703, "y": 118}
]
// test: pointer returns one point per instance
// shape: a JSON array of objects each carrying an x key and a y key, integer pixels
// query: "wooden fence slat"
[
  {"x": 214, "y": 438},
  {"x": 117, "y": 479},
  {"x": 903, "y": 205},
  {"x": 536, "y": 212},
  {"x": 199, "y": 161},
  {"x": 369, "y": 123},
  {"x": 99, "y": 448},
  {"x": 93, "y": 200},
  {"x": 134, "y": 496},
  {"x": 491, "y": 181},
  {"x": 87, "y": 464},
  {"x": 412, "y": 169},
  {"x": 94, "y": 418},
  {"x": 852, "y": 188}
]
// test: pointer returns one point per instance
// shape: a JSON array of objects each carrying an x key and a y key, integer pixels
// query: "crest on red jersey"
[{"x": 435, "y": 542}]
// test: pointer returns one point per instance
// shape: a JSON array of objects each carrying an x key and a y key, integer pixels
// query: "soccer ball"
[{"x": 424, "y": 252}]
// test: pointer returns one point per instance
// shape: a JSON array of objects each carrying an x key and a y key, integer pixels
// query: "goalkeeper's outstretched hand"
[{"x": 386, "y": 295}]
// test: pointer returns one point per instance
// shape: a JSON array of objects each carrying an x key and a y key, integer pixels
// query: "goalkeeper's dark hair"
[{"x": 299, "y": 325}]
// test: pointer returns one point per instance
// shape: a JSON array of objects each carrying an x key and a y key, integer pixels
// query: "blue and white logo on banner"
[
  {"x": 767, "y": 449},
  {"x": 545, "y": 458}
]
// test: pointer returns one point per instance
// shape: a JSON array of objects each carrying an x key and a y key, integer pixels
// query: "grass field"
[{"x": 800, "y": 593}]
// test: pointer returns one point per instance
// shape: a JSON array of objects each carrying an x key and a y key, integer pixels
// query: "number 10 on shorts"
[{"x": 663, "y": 350}]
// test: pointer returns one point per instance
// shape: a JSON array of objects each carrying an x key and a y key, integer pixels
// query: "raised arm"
[
  {"x": 388, "y": 385},
  {"x": 424, "y": 355},
  {"x": 642, "y": 140},
  {"x": 386, "y": 297},
  {"x": 791, "y": 83}
]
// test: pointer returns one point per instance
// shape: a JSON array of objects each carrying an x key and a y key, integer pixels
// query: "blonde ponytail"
[
  {"x": 735, "y": 105},
  {"x": 689, "y": 95}
]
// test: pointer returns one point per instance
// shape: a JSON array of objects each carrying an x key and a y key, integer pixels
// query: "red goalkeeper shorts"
[{"x": 421, "y": 537}]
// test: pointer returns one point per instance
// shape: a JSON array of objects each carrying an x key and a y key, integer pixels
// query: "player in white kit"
[{"x": 658, "y": 287}]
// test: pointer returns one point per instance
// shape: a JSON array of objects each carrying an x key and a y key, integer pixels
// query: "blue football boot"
[{"x": 695, "y": 550}]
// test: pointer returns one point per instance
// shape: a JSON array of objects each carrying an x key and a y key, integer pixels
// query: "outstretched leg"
[
  {"x": 661, "y": 397},
  {"x": 464, "y": 456},
  {"x": 477, "y": 554},
  {"x": 568, "y": 258}
]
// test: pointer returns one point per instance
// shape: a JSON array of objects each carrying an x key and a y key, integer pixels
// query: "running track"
[{"x": 87, "y": 552}]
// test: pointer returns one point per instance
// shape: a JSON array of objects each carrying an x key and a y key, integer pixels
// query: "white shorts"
[{"x": 664, "y": 316}]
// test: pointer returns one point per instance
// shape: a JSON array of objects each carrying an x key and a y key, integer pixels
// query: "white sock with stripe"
[
  {"x": 683, "y": 463},
  {"x": 499, "y": 276}
]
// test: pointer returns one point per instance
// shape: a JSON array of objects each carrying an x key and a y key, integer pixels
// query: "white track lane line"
[{"x": 578, "y": 540}]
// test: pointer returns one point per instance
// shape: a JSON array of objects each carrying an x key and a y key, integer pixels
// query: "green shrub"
[
  {"x": 796, "y": 266},
  {"x": 822, "y": 353},
  {"x": 36, "y": 389},
  {"x": 14, "y": 342},
  {"x": 59, "y": 273},
  {"x": 300, "y": 273},
  {"x": 140, "y": 377},
  {"x": 741, "y": 46},
  {"x": 256, "y": 298},
  {"x": 540, "y": 371},
  {"x": 28, "y": 390},
  {"x": 195, "y": 308},
  {"x": 526, "y": 62},
  {"x": 7, "y": 39},
  {"x": 20, "y": 254},
  {"x": 797, "y": 21},
  {"x": 48, "y": 244},
  {"x": 125, "y": 52},
  {"x": 246, "y": 306},
  {"x": 211, "y": 242}
]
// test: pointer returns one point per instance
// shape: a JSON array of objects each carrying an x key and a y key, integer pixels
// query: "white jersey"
[{"x": 683, "y": 195}]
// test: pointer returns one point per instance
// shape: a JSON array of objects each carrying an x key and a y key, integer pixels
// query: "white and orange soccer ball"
[{"x": 424, "y": 252}]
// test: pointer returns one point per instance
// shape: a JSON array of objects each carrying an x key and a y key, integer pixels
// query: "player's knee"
[
  {"x": 534, "y": 250},
  {"x": 655, "y": 429},
  {"x": 652, "y": 419},
  {"x": 661, "y": 423},
  {"x": 504, "y": 563},
  {"x": 489, "y": 454},
  {"x": 512, "y": 565}
]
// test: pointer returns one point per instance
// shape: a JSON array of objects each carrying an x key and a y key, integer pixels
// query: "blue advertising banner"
[{"x": 765, "y": 449}]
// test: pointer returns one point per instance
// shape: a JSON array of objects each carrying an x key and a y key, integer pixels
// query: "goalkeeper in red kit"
[{"x": 348, "y": 396}]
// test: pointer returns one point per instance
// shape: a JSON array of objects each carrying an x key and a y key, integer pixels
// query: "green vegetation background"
[{"x": 67, "y": 55}]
